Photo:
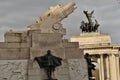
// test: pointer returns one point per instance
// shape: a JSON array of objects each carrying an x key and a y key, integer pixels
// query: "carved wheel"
[{"x": 56, "y": 27}]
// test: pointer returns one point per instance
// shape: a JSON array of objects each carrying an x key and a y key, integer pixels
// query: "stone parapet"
[
  {"x": 14, "y": 45},
  {"x": 91, "y": 38},
  {"x": 14, "y": 53}
]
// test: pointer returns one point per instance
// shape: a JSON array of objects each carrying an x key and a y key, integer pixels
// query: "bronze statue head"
[{"x": 48, "y": 52}]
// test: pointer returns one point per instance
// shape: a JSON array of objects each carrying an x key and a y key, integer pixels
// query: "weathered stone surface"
[
  {"x": 70, "y": 44},
  {"x": 91, "y": 38},
  {"x": 14, "y": 53},
  {"x": 73, "y": 53},
  {"x": 13, "y": 69},
  {"x": 15, "y": 36},
  {"x": 71, "y": 69},
  {"x": 50, "y": 22},
  {"x": 13, "y": 45},
  {"x": 62, "y": 72},
  {"x": 46, "y": 40},
  {"x": 77, "y": 69}
]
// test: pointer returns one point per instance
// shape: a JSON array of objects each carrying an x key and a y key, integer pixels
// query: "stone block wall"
[
  {"x": 13, "y": 69},
  {"x": 28, "y": 45},
  {"x": 91, "y": 38},
  {"x": 71, "y": 69}
]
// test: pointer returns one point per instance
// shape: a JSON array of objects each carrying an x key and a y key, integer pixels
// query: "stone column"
[
  {"x": 102, "y": 67},
  {"x": 117, "y": 66},
  {"x": 99, "y": 66},
  {"x": 107, "y": 67},
  {"x": 113, "y": 70}
]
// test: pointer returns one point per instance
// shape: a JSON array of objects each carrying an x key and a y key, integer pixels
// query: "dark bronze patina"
[
  {"x": 49, "y": 63},
  {"x": 89, "y": 26},
  {"x": 91, "y": 66}
]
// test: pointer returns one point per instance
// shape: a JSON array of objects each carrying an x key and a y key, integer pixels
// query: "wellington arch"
[{"x": 100, "y": 48}]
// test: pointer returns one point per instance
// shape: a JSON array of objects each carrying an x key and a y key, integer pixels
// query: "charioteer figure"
[{"x": 89, "y": 26}]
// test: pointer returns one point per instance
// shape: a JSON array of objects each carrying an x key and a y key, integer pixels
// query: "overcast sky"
[{"x": 18, "y": 14}]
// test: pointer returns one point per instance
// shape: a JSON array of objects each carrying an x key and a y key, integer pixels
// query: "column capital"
[
  {"x": 116, "y": 55},
  {"x": 105, "y": 55},
  {"x": 97, "y": 55}
]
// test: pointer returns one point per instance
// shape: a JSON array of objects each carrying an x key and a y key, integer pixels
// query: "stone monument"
[
  {"x": 20, "y": 48},
  {"x": 102, "y": 51}
]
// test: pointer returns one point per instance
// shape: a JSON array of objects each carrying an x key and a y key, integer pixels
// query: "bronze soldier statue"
[
  {"x": 91, "y": 66},
  {"x": 49, "y": 63}
]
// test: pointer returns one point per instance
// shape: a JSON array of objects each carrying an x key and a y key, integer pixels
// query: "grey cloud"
[{"x": 17, "y": 11}]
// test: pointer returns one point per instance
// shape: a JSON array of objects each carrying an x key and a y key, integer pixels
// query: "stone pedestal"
[{"x": 73, "y": 64}]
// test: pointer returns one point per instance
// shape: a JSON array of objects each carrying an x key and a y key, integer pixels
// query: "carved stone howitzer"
[
  {"x": 51, "y": 20},
  {"x": 58, "y": 13}
]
